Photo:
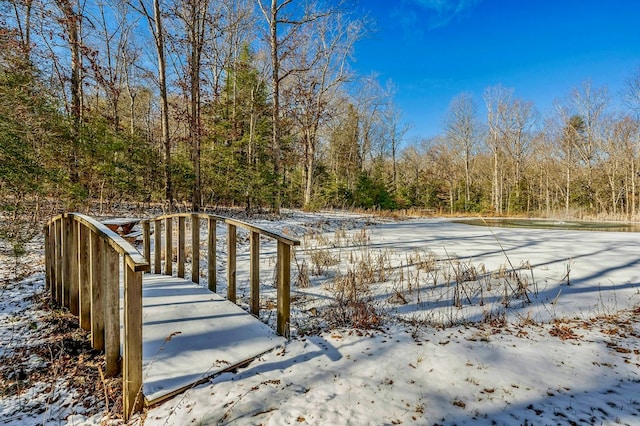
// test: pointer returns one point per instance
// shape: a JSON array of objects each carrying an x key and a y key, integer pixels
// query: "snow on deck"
[{"x": 190, "y": 334}]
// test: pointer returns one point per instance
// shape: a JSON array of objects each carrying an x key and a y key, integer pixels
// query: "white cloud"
[{"x": 441, "y": 12}]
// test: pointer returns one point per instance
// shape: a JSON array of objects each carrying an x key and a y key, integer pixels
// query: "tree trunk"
[
  {"x": 198, "y": 11},
  {"x": 251, "y": 163},
  {"x": 71, "y": 25},
  {"x": 24, "y": 28},
  {"x": 467, "y": 195},
  {"x": 394, "y": 177},
  {"x": 633, "y": 188},
  {"x": 132, "y": 111},
  {"x": 164, "y": 102},
  {"x": 567, "y": 193},
  {"x": 275, "y": 110},
  {"x": 496, "y": 189},
  {"x": 310, "y": 156}
]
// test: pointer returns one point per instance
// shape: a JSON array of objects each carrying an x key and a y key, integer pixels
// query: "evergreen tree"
[
  {"x": 31, "y": 131},
  {"x": 236, "y": 159}
]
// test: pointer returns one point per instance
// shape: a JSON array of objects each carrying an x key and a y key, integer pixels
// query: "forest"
[{"x": 254, "y": 104}]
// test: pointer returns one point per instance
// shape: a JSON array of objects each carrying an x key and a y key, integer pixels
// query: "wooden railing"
[
  {"x": 82, "y": 258},
  {"x": 163, "y": 231},
  {"x": 82, "y": 264}
]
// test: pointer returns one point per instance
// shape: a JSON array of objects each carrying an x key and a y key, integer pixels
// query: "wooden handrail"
[
  {"x": 83, "y": 274},
  {"x": 133, "y": 257},
  {"x": 263, "y": 231},
  {"x": 284, "y": 244}
]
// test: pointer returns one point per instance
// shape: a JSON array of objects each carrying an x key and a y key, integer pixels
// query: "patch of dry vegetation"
[
  {"x": 439, "y": 289},
  {"x": 59, "y": 361}
]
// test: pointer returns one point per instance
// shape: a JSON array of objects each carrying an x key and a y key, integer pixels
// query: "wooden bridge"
[{"x": 164, "y": 332}]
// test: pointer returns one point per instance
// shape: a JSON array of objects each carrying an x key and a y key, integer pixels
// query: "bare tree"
[
  {"x": 568, "y": 138},
  {"x": 194, "y": 17},
  {"x": 411, "y": 168},
  {"x": 371, "y": 100},
  {"x": 285, "y": 19},
  {"x": 511, "y": 124},
  {"x": 156, "y": 26},
  {"x": 112, "y": 38},
  {"x": 522, "y": 117},
  {"x": 320, "y": 61},
  {"x": 71, "y": 22},
  {"x": 23, "y": 11},
  {"x": 618, "y": 146},
  {"x": 131, "y": 55},
  {"x": 590, "y": 104},
  {"x": 441, "y": 161},
  {"x": 631, "y": 93},
  {"x": 631, "y": 97},
  {"x": 395, "y": 131},
  {"x": 497, "y": 100},
  {"x": 461, "y": 128}
]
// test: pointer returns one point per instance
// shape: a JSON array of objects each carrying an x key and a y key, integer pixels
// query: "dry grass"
[
  {"x": 321, "y": 259},
  {"x": 63, "y": 353},
  {"x": 353, "y": 304},
  {"x": 302, "y": 278},
  {"x": 421, "y": 277}
]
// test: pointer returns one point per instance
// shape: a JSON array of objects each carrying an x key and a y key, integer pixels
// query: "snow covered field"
[{"x": 457, "y": 324}]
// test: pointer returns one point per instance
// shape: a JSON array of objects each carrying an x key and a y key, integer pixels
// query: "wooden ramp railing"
[
  {"x": 84, "y": 258},
  {"x": 164, "y": 233}
]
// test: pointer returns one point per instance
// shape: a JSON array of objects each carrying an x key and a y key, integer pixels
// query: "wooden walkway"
[
  {"x": 170, "y": 333},
  {"x": 190, "y": 334}
]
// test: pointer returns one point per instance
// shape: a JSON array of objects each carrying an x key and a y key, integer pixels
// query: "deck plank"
[{"x": 190, "y": 334}]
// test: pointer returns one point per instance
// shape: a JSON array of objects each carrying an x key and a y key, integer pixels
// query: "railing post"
[
  {"x": 53, "y": 258},
  {"x": 84, "y": 265},
  {"x": 132, "y": 357},
  {"x": 146, "y": 240},
  {"x": 181, "y": 246},
  {"x": 254, "y": 272},
  {"x": 112, "y": 311},
  {"x": 211, "y": 256},
  {"x": 168, "y": 250},
  {"x": 284, "y": 276},
  {"x": 98, "y": 282},
  {"x": 231, "y": 262},
  {"x": 50, "y": 265},
  {"x": 157, "y": 247},
  {"x": 74, "y": 283},
  {"x": 195, "y": 248},
  {"x": 75, "y": 269},
  {"x": 57, "y": 294},
  {"x": 47, "y": 259},
  {"x": 53, "y": 246},
  {"x": 67, "y": 260}
]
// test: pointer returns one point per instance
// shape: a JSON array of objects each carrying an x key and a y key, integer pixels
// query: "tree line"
[
  {"x": 253, "y": 103},
  {"x": 578, "y": 160}
]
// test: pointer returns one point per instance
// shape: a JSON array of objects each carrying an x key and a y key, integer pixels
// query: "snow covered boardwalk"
[
  {"x": 190, "y": 334},
  {"x": 170, "y": 333}
]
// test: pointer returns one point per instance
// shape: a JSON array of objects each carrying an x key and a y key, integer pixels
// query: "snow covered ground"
[{"x": 456, "y": 324}]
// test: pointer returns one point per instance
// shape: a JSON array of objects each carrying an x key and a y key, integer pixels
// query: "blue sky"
[{"x": 435, "y": 49}]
